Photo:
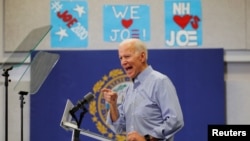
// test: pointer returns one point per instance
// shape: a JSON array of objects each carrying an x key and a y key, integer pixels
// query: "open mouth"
[{"x": 128, "y": 68}]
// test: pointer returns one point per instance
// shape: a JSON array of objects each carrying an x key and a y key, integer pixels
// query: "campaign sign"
[
  {"x": 183, "y": 27},
  {"x": 126, "y": 21},
  {"x": 69, "y": 20}
]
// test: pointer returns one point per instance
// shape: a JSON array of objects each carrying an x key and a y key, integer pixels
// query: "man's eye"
[{"x": 126, "y": 56}]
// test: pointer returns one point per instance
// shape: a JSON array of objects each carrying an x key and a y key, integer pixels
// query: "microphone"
[{"x": 86, "y": 99}]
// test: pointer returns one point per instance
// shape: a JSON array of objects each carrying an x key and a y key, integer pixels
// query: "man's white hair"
[{"x": 137, "y": 43}]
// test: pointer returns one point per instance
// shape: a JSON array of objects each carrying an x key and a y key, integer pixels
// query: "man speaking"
[{"x": 150, "y": 110}]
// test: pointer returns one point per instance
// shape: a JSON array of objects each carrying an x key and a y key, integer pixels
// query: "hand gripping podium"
[{"x": 68, "y": 124}]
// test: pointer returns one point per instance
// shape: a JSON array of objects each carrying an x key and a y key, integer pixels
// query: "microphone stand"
[
  {"x": 22, "y": 102},
  {"x": 7, "y": 80},
  {"x": 76, "y": 132}
]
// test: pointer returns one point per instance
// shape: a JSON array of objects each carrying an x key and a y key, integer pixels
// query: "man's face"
[{"x": 131, "y": 61}]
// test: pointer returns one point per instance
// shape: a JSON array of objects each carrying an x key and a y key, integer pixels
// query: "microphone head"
[{"x": 89, "y": 97}]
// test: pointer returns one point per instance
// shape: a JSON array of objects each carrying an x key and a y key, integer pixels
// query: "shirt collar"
[{"x": 142, "y": 76}]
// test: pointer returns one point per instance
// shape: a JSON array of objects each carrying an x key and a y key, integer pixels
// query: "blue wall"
[{"x": 198, "y": 75}]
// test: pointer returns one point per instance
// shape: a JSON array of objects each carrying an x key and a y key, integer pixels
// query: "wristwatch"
[
  {"x": 147, "y": 137},
  {"x": 150, "y": 138}
]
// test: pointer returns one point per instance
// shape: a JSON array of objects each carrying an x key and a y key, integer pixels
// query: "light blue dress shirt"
[{"x": 150, "y": 106}]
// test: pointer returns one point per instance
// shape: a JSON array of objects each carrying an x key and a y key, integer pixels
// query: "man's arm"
[
  {"x": 111, "y": 98},
  {"x": 114, "y": 115}
]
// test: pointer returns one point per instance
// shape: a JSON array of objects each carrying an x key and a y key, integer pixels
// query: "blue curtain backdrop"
[{"x": 198, "y": 75}]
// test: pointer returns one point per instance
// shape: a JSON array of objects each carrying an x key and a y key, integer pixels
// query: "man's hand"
[
  {"x": 135, "y": 136},
  {"x": 110, "y": 96}
]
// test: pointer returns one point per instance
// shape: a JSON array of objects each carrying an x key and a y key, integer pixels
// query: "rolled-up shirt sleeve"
[
  {"x": 168, "y": 102},
  {"x": 119, "y": 125}
]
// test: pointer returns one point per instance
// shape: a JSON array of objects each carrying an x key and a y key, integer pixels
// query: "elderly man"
[{"x": 150, "y": 110}]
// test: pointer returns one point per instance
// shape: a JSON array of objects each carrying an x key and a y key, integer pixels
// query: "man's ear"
[{"x": 143, "y": 57}]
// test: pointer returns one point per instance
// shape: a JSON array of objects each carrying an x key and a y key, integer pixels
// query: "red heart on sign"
[
  {"x": 182, "y": 21},
  {"x": 127, "y": 23}
]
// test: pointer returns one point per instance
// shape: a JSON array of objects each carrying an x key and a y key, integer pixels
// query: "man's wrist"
[
  {"x": 150, "y": 138},
  {"x": 147, "y": 137}
]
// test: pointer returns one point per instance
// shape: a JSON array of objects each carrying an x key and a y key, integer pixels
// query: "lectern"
[{"x": 69, "y": 124}]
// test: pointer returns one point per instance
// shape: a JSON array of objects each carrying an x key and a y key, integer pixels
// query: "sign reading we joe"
[{"x": 126, "y": 21}]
